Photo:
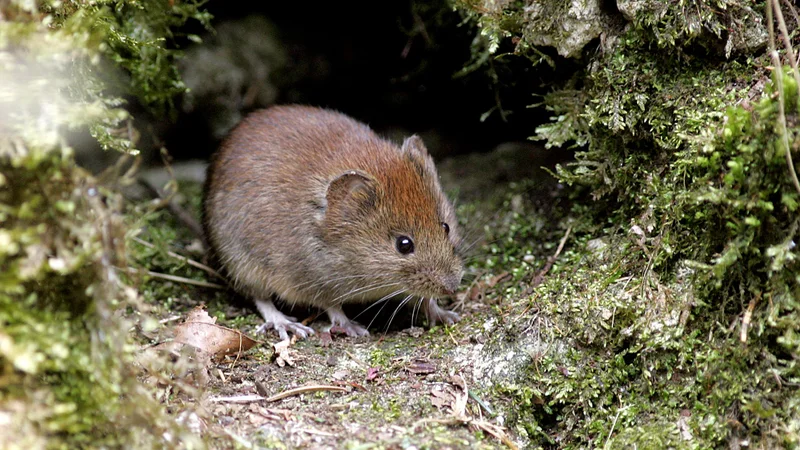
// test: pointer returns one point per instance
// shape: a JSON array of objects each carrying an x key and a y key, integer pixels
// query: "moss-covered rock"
[{"x": 671, "y": 321}]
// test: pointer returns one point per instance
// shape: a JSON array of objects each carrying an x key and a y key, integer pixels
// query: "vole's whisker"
[
  {"x": 366, "y": 289},
  {"x": 391, "y": 319},
  {"x": 362, "y": 290},
  {"x": 385, "y": 298},
  {"x": 386, "y": 302},
  {"x": 415, "y": 310}
]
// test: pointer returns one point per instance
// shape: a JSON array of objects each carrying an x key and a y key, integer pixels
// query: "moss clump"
[
  {"x": 68, "y": 368},
  {"x": 672, "y": 320},
  {"x": 68, "y": 362}
]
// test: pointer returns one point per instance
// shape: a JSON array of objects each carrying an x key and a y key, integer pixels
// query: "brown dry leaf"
[
  {"x": 283, "y": 353},
  {"x": 478, "y": 290},
  {"x": 459, "y": 406},
  {"x": 421, "y": 367},
  {"x": 325, "y": 339},
  {"x": 200, "y": 331},
  {"x": 442, "y": 399},
  {"x": 372, "y": 373}
]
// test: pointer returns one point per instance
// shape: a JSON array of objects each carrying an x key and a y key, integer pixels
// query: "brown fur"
[{"x": 307, "y": 204}]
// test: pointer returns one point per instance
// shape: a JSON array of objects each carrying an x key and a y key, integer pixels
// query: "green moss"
[
  {"x": 670, "y": 318},
  {"x": 66, "y": 355},
  {"x": 69, "y": 365}
]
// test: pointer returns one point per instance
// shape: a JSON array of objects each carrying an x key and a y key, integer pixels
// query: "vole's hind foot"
[
  {"x": 436, "y": 314},
  {"x": 340, "y": 320},
  {"x": 276, "y": 320}
]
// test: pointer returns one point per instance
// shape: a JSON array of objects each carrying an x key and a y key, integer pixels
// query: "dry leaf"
[
  {"x": 340, "y": 374},
  {"x": 372, "y": 373},
  {"x": 421, "y": 367},
  {"x": 325, "y": 339},
  {"x": 477, "y": 291},
  {"x": 441, "y": 399},
  {"x": 284, "y": 355},
  {"x": 201, "y": 331},
  {"x": 459, "y": 406},
  {"x": 454, "y": 398}
]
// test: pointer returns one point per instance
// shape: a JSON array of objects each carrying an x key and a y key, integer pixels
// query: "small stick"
[
  {"x": 317, "y": 432},
  {"x": 551, "y": 260},
  {"x": 237, "y": 399},
  {"x": 183, "y": 216},
  {"x": 178, "y": 279},
  {"x": 169, "y": 319},
  {"x": 450, "y": 336},
  {"x": 613, "y": 425},
  {"x": 779, "y": 82},
  {"x": 485, "y": 426},
  {"x": 280, "y": 396},
  {"x": 304, "y": 390},
  {"x": 748, "y": 314},
  {"x": 189, "y": 261},
  {"x": 356, "y": 360}
]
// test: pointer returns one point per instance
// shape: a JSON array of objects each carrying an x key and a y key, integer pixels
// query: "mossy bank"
[{"x": 671, "y": 320}]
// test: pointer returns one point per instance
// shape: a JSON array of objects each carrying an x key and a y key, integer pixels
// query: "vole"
[{"x": 311, "y": 206}]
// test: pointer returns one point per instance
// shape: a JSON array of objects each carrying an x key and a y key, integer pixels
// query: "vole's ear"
[
  {"x": 351, "y": 192},
  {"x": 414, "y": 144},
  {"x": 417, "y": 153}
]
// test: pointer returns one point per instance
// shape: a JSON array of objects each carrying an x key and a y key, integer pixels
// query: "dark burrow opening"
[{"x": 400, "y": 67}]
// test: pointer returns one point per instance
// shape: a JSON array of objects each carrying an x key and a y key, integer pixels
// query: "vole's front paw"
[
  {"x": 339, "y": 320},
  {"x": 283, "y": 327},
  {"x": 276, "y": 320},
  {"x": 436, "y": 314}
]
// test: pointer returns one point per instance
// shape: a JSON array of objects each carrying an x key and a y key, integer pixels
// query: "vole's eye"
[
  {"x": 405, "y": 245},
  {"x": 446, "y": 228}
]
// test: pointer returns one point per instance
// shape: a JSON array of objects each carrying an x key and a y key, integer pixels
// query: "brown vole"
[{"x": 313, "y": 207}]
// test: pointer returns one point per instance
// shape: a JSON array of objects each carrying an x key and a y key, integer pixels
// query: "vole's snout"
[{"x": 450, "y": 284}]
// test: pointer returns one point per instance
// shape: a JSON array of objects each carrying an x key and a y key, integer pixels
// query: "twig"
[
  {"x": 189, "y": 261},
  {"x": 450, "y": 335},
  {"x": 793, "y": 11},
  {"x": 179, "y": 212},
  {"x": 237, "y": 399},
  {"x": 303, "y": 390},
  {"x": 314, "y": 432},
  {"x": 276, "y": 397},
  {"x": 746, "y": 318},
  {"x": 178, "y": 279},
  {"x": 169, "y": 319},
  {"x": 773, "y": 5},
  {"x": 356, "y": 360},
  {"x": 483, "y": 425},
  {"x": 551, "y": 260},
  {"x": 787, "y": 42},
  {"x": 613, "y": 425}
]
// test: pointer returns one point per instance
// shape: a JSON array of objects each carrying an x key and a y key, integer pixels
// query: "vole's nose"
[{"x": 450, "y": 284}]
